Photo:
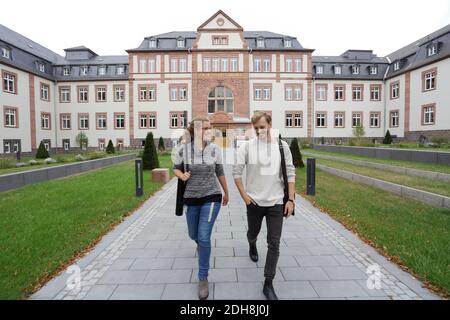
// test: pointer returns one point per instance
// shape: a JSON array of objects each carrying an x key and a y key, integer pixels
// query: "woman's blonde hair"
[{"x": 189, "y": 133}]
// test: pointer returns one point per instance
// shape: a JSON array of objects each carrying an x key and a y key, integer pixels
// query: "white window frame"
[
  {"x": 339, "y": 116},
  {"x": 319, "y": 69},
  {"x": 429, "y": 112},
  {"x": 322, "y": 117},
  {"x": 356, "y": 119},
  {"x": 65, "y": 121},
  {"x": 234, "y": 65},
  {"x": 120, "y": 121},
  {"x": 374, "y": 117},
  {"x": 10, "y": 118},
  {"x": 65, "y": 94},
  {"x": 102, "y": 121},
  {"x": 6, "y": 53}
]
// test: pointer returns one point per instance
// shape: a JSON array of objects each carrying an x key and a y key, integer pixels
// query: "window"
[
  {"x": 41, "y": 67},
  {"x": 119, "y": 93},
  {"x": 357, "y": 92},
  {"x": 65, "y": 121},
  {"x": 375, "y": 92},
  {"x": 119, "y": 120},
  {"x": 293, "y": 92},
  {"x": 288, "y": 65},
  {"x": 216, "y": 65},
  {"x": 321, "y": 92},
  {"x": 219, "y": 40},
  {"x": 84, "y": 71},
  {"x": 45, "y": 92},
  {"x": 45, "y": 121},
  {"x": 260, "y": 43},
  {"x": 339, "y": 92},
  {"x": 298, "y": 120},
  {"x": 83, "y": 94},
  {"x": 147, "y": 120},
  {"x": 101, "y": 144},
  {"x": 147, "y": 92},
  {"x": 262, "y": 91},
  {"x": 288, "y": 120},
  {"x": 10, "y": 115},
  {"x": 374, "y": 119},
  {"x": 224, "y": 65},
  {"x": 142, "y": 66},
  {"x": 298, "y": 65},
  {"x": 206, "y": 65},
  {"x": 83, "y": 122},
  {"x": 180, "y": 43},
  {"x": 6, "y": 53},
  {"x": 337, "y": 69},
  {"x": 395, "y": 90},
  {"x": 143, "y": 122},
  {"x": 373, "y": 70},
  {"x": 101, "y": 93},
  {"x": 120, "y": 70},
  {"x": 293, "y": 119},
  {"x": 101, "y": 71},
  {"x": 287, "y": 43},
  {"x": 319, "y": 69},
  {"x": 257, "y": 67},
  {"x": 101, "y": 121},
  {"x": 394, "y": 118},
  {"x": 119, "y": 143},
  {"x": 64, "y": 94},
  {"x": 174, "y": 120},
  {"x": 429, "y": 79},
  {"x": 266, "y": 65},
  {"x": 66, "y": 71},
  {"x": 7, "y": 147},
  {"x": 178, "y": 92},
  {"x": 152, "y": 43},
  {"x": 178, "y": 64},
  {"x": 220, "y": 99},
  {"x": 66, "y": 144},
  {"x": 356, "y": 119},
  {"x": 428, "y": 114},
  {"x": 177, "y": 120},
  {"x": 355, "y": 69},
  {"x": 183, "y": 65},
  {"x": 152, "y": 65},
  {"x": 152, "y": 120},
  {"x": 321, "y": 119},
  {"x": 396, "y": 65},
  {"x": 339, "y": 119},
  {"x": 234, "y": 64},
  {"x": 9, "y": 82},
  {"x": 432, "y": 50}
]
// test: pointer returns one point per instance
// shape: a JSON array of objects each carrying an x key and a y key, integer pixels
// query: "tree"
[
  {"x": 296, "y": 154},
  {"x": 82, "y": 139},
  {"x": 358, "y": 132},
  {"x": 387, "y": 138},
  {"x": 110, "y": 147},
  {"x": 42, "y": 153},
  {"x": 161, "y": 146},
  {"x": 150, "y": 158}
]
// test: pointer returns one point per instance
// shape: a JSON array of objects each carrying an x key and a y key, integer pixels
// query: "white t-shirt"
[{"x": 262, "y": 161}]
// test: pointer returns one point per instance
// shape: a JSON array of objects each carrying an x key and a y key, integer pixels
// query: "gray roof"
[{"x": 168, "y": 41}]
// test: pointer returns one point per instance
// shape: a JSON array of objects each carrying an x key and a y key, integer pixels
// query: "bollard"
[
  {"x": 139, "y": 177},
  {"x": 311, "y": 177},
  {"x": 18, "y": 155}
]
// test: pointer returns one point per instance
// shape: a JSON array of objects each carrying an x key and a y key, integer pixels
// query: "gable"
[{"x": 220, "y": 20}]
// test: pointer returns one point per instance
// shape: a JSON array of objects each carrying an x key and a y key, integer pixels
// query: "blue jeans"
[{"x": 200, "y": 221}]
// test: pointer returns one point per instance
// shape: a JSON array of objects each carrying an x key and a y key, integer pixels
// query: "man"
[{"x": 264, "y": 192}]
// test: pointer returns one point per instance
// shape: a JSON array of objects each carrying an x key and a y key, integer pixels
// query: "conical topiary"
[
  {"x": 110, "y": 147},
  {"x": 150, "y": 158},
  {"x": 296, "y": 154},
  {"x": 161, "y": 146},
  {"x": 42, "y": 153},
  {"x": 387, "y": 139}
]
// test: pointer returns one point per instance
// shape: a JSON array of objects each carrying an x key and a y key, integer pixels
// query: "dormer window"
[
  {"x": 373, "y": 70},
  {"x": 41, "y": 67},
  {"x": 152, "y": 43},
  {"x": 120, "y": 70},
  {"x": 180, "y": 43},
  {"x": 287, "y": 43},
  {"x": 432, "y": 49},
  {"x": 260, "y": 43},
  {"x": 66, "y": 71},
  {"x": 396, "y": 65},
  {"x": 355, "y": 69},
  {"x": 319, "y": 69},
  {"x": 337, "y": 70},
  {"x": 102, "y": 71},
  {"x": 6, "y": 53},
  {"x": 84, "y": 70}
]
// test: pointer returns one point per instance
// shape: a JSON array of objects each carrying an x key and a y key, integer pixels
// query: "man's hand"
[
  {"x": 288, "y": 209},
  {"x": 247, "y": 199}
]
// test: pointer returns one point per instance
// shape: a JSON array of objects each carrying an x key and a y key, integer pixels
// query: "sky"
[{"x": 328, "y": 26}]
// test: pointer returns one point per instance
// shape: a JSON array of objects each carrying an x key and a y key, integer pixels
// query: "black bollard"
[
  {"x": 311, "y": 177},
  {"x": 139, "y": 177}
]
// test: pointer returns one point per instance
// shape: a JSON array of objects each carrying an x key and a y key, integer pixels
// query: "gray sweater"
[{"x": 205, "y": 166}]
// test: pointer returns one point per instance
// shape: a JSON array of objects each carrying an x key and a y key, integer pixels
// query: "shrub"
[
  {"x": 439, "y": 141},
  {"x": 6, "y": 164},
  {"x": 61, "y": 159},
  {"x": 351, "y": 142},
  {"x": 161, "y": 146},
  {"x": 150, "y": 156},
  {"x": 96, "y": 155},
  {"x": 110, "y": 147},
  {"x": 82, "y": 140},
  {"x": 79, "y": 157},
  {"x": 296, "y": 154},
  {"x": 32, "y": 162},
  {"x": 42, "y": 153},
  {"x": 387, "y": 138},
  {"x": 358, "y": 132}
]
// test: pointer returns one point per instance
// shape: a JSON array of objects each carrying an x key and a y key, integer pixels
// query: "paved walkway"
[{"x": 149, "y": 256}]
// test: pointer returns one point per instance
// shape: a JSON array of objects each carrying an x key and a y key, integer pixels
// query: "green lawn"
[
  {"x": 414, "y": 234},
  {"x": 430, "y": 185},
  {"x": 9, "y": 165},
  {"x": 408, "y": 164},
  {"x": 45, "y": 225}
]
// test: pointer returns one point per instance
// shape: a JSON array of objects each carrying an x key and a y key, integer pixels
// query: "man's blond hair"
[{"x": 260, "y": 114}]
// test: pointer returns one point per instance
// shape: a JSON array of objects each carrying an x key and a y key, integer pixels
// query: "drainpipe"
[
  {"x": 313, "y": 99},
  {"x": 56, "y": 122},
  {"x": 385, "y": 96}
]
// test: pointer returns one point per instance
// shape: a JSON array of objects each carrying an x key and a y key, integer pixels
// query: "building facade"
[{"x": 226, "y": 72}]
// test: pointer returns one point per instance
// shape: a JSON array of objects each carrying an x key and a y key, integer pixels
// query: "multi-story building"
[{"x": 226, "y": 72}]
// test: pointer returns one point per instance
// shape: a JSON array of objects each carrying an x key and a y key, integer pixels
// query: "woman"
[{"x": 202, "y": 196}]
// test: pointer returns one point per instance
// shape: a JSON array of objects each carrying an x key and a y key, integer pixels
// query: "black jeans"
[{"x": 274, "y": 222}]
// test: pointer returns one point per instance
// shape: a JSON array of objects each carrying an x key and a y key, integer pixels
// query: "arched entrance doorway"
[{"x": 221, "y": 106}]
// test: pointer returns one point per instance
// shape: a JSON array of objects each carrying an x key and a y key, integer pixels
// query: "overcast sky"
[{"x": 109, "y": 27}]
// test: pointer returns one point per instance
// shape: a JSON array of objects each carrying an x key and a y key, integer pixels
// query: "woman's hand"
[
  {"x": 185, "y": 176},
  {"x": 225, "y": 199}
]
